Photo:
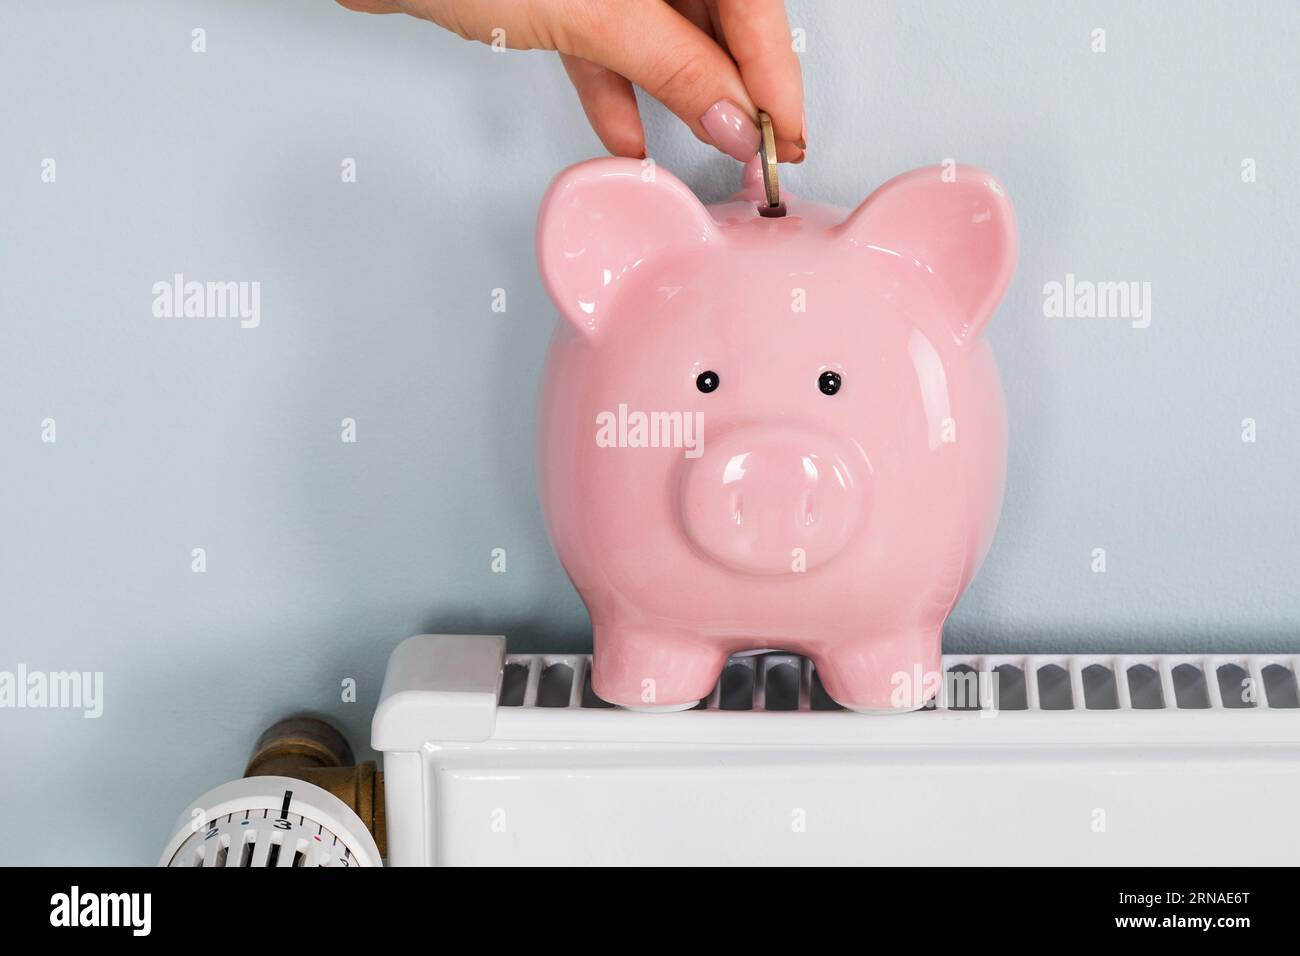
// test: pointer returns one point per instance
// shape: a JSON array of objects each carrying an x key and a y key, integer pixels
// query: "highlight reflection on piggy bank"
[{"x": 778, "y": 432}]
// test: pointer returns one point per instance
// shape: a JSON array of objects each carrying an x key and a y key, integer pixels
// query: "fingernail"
[
  {"x": 802, "y": 142},
  {"x": 799, "y": 159},
  {"x": 731, "y": 130}
]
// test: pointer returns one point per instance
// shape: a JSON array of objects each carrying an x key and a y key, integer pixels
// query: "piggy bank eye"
[
  {"x": 707, "y": 382},
  {"x": 829, "y": 382}
]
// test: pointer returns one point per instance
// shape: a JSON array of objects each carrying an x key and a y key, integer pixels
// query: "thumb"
[{"x": 675, "y": 62}]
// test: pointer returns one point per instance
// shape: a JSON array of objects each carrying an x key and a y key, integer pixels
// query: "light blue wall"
[{"x": 321, "y": 556}]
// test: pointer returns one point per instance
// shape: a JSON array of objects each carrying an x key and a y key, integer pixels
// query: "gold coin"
[{"x": 771, "y": 185}]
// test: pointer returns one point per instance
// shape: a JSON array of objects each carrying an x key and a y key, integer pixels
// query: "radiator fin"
[{"x": 784, "y": 683}]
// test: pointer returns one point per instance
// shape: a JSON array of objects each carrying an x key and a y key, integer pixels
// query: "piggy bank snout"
[{"x": 771, "y": 500}]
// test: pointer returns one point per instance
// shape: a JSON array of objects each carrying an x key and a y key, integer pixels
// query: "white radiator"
[{"x": 1171, "y": 760}]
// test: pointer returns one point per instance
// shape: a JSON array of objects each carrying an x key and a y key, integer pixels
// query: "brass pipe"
[{"x": 309, "y": 749}]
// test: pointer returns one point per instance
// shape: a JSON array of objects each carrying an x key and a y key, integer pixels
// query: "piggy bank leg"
[
  {"x": 884, "y": 674},
  {"x": 653, "y": 669}
]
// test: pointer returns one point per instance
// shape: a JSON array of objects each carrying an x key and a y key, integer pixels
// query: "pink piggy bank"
[{"x": 771, "y": 432}]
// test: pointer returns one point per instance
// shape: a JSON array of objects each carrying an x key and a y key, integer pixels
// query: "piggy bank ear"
[
  {"x": 956, "y": 223},
  {"x": 600, "y": 221}
]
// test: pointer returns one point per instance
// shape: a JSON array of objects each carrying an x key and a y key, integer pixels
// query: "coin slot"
[{"x": 771, "y": 212}]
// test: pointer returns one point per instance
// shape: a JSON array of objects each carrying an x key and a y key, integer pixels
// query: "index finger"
[{"x": 758, "y": 36}]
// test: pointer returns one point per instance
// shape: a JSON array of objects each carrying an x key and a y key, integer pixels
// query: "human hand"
[{"x": 708, "y": 61}]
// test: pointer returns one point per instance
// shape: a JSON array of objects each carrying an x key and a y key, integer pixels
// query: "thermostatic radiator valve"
[{"x": 280, "y": 813}]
